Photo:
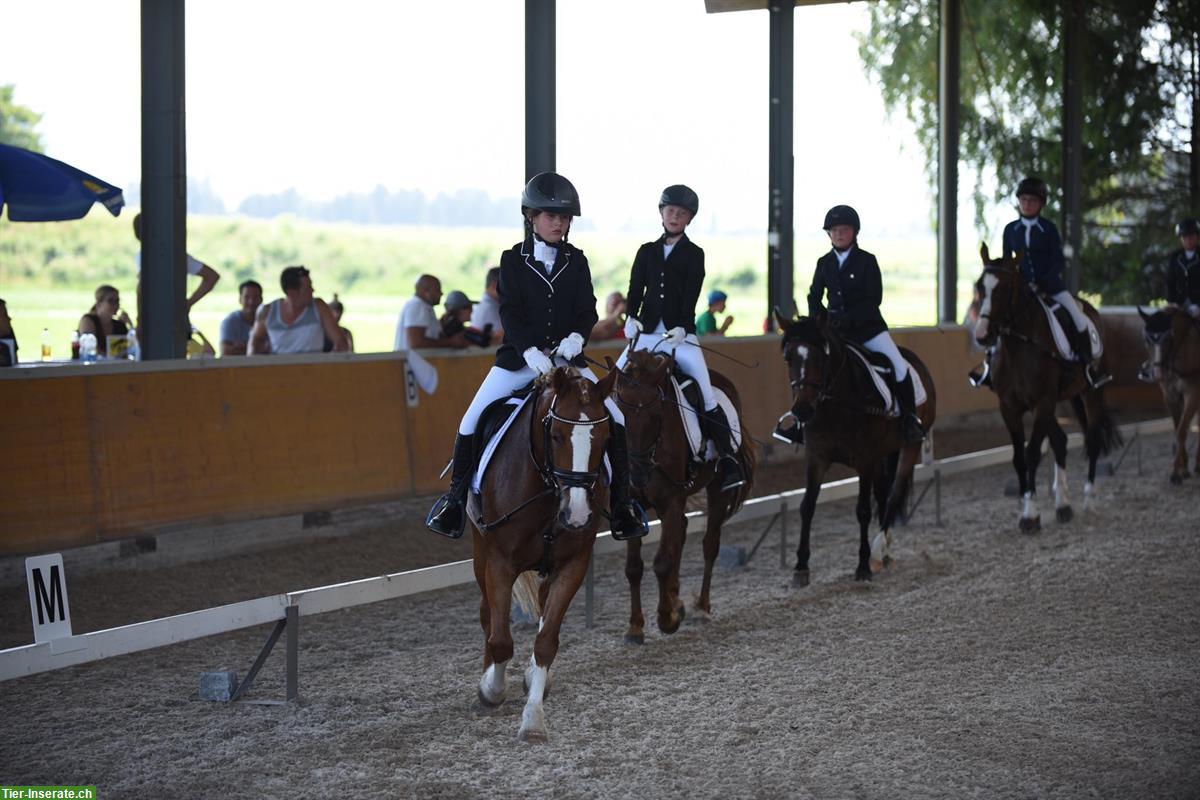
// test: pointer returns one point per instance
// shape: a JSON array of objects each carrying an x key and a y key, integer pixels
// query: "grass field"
[{"x": 49, "y": 271}]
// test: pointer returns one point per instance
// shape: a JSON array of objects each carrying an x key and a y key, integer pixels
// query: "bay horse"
[
  {"x": 542, "y": 493},
  {"x": 1173, "y": 339},
  {"x": 845, "y": 423},
  {"x": 1028, "y": 374},
  {"x": 663, "y": 476}
]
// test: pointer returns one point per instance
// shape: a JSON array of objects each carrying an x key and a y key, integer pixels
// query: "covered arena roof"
[{"x": 718, "y": 6}]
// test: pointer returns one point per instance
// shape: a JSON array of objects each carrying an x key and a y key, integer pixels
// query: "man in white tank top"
[{"x": 297, "y": 322}]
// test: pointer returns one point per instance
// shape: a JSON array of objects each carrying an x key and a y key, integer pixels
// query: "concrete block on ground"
[
  {"x": 731, "y": 555},
  {"x": 218, "y": 686}
]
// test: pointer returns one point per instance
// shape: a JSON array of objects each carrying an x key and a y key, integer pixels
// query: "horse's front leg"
[
  {"x": 498, "y": 644},
  {"x": 717, "y": 506},
  {"x": 1031, "y": 516},
  {"x": 863, "y": 511},
  {"x": 563, "y": 582},
  {"x": 808, "y": 506},
  {"x": 1016, "y": 434},
  {"x": 1062, "y": 497},
  {"x": 1179, "y": 470},
  {"x": 666, "y": 564},
  {"x": 636, "y": 633}
]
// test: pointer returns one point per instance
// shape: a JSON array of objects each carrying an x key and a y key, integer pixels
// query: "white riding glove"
[
  {"x": 570, "y": 347},
  {"x": 675, "y": 336},
  {"x": 632, "y": 327},
  {"x": 538, "y": 361}
]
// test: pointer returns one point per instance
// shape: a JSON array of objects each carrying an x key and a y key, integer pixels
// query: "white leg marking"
[
  {"x": 1029, "y": 509},
  {"x": 878, "y": 549},
  {"x": 581, "y": 451},
  {"x": 492, "y": 685},
  {"x": 1089, "y": 495},
  {"x": 533, "y": 718},
  {"x": 1061, "y": 490}
]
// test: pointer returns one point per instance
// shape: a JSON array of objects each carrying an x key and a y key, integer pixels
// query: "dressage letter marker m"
[{"x": 48, "y": 597}]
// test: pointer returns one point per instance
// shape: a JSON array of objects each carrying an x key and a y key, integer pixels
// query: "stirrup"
[
  {"x": 732, "y": 475},
  {"x": 445, "y": 506},
  {"x": 980, "y": 375},
  {"x": 638, "y": 517},
  {"x": 914, "y": 431},
  {"x": 1096, "y": 379},
  {"x": 789, "y": 435}
]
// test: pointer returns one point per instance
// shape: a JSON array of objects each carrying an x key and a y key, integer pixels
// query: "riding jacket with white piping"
[
  {"x": 1183, "y": 278},
  {"x": 540, "y": 307},
  {"x": 1043, "y": 260},
  {"x": 855, "y": 289},
  {"x": 667, "y": 288}
]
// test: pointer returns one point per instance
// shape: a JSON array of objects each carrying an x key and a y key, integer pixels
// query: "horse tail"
[
  {"x": 525, "y": 593},
  {"x": 886, "y": 477},
  {"x": 1107, "y": 438},
  {"x": 902, "y": 483}
]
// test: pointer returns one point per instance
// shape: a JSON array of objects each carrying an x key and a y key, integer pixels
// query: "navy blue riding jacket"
[
  {"x": 539, "y": 309},
  {"x": 1183, "y": 278},
  {"x": 855, "y": 292},
  {"x": 1043, "y": 260}
]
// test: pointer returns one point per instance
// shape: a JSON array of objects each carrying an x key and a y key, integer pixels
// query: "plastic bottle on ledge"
[
  {"x": 87, "y": 348},
  {"x": 45, "y": 344},
  {"x": 133, "y": 353},
  {"x": 74, "y": 345}
]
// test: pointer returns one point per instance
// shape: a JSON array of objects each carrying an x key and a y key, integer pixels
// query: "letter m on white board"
[{"x": 48, "y": 597}]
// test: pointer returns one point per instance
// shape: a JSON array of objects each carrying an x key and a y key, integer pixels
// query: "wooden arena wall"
[{"x": 108, "y": 451}]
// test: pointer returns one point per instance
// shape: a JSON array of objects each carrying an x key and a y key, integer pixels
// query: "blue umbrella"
[{"x": 38, "y": 188}]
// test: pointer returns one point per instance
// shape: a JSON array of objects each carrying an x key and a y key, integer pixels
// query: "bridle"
[{"x": 1017, "y": 309}]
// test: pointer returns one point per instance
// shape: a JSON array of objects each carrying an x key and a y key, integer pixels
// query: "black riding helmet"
[
  {"x": 842, "y": 215},
  {"x": 1187, "y": 225},
  {"x": 1033, "y": 185},
  {"x": 549, "y": 191},
  {"x": 680, "y": 195}
]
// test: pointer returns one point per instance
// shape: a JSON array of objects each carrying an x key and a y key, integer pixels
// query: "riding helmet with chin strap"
[
  {"x": 1186, "y": 226},
  {"x": 549, "y": 191},
  {"x": 842, "y": 215},
  {"x": 1035, "y": 186},
  {"x": 680, "y": 195}
]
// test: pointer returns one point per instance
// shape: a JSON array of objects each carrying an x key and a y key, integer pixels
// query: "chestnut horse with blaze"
[{"x": 543, "y": 492}]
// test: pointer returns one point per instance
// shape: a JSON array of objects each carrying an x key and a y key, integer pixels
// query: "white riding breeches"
[
  {"x": 1065, "y": 300},
  {"x": 501, "y": 383},
  {"x": 882, "y": 343},
  {"x": 688, "y": 355}
]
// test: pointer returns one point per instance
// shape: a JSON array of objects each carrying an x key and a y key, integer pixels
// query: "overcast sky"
[{"x": 336, "y": 97}]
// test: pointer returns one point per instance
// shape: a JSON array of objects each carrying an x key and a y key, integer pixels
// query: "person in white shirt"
[
  {"x": 418, "y": 326},
  {"x": 487, "y": 310},
  {"x": 207, "y": 275}
]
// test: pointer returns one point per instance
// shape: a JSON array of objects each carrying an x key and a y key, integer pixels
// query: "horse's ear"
[
  {"x": 1145, "y": 317},
  {"x": 780, "y": 320},
  {"x": 984, "y": 254},
  {"x": 661, "y": 365},
  {"x": 559, "y": 380},
  {"x": 606, "y": 384}
]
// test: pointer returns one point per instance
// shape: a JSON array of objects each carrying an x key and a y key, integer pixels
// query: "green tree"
[
  {"x": 17, "y": 122},
  {"x": 1140, "y": 96}
]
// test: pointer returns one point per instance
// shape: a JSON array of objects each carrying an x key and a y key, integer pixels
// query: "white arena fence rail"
[{"x": 69, "y": 651}]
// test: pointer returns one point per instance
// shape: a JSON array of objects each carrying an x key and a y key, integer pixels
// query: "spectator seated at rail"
[
  {"x": 706, "y": 323},
  {"x": 458, "y": 313},
  {"x": 612, "y": 325},
  {"x": 8, "y": 339},
  {"x": 105, "y": 318},
  {"x": 298, "y": 322},
  {"x": 418, "y": 325},
  {"x": 335, "y": 305},
  {"x": 487, "y": 309},
  {"x": 235, "y": 328}
]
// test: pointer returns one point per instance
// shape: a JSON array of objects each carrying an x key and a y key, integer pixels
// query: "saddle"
[
  {"x": 691, "y": 405},
  {"x": 1061, "y": 321},
  {"x": 879, "y": 367}
]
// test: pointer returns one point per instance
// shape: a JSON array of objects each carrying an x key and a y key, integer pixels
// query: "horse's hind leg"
[
  {"x": 863, "y": 511},
  {"x": 1191, "y": 404},
  {"x": 1062, "y": 499},
  {"x": 563, "y": 583},
  {"x": 498, "y": 647},
  {"x": 1031, "y": 517},
  {"x": 636, "y": 633},
  {"x": 1016, "y": 434},
  {"x": 808, "y": 507},
  {"x": 717, "y": 505},
  {"x": 666, "y": 564}
]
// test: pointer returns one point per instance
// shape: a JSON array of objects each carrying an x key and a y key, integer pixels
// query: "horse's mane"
[
  {"x": 643, "y": 363},
  {"x": 805, "y": 330}
]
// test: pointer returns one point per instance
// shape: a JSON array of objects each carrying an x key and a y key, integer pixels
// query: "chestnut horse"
[
  {"x": 663, "y": 476},
  {"x": 1173, "y": 338},
  {"x": 539, "y": 508},
  {"x": 1028, "y": 374},
  {"x": 845, "y": 423}
]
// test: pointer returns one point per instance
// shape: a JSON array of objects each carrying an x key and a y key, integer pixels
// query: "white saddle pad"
[
  {"x": 691, "y": 422},
  {"x": 1062, "y": 341},
  {"x": 885, "y": 393}
]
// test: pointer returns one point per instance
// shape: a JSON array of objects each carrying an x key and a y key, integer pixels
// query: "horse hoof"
[
  {"x": 533, "y": 736},
  {"x": 489, "y": 704},
  {"x": 1031, "y": 524},
  {"x": 635, "y": 638},
  {"x": 1064, "y": 514},
  {"x": 670, "y": 624},
  {"x": 1176, "y": 479},
  {"x": 876, "y": 565},
  {"x": 862, "y": 575},
  {"x": 889, "y": 562},
  {"x": 800, "y": 578}
]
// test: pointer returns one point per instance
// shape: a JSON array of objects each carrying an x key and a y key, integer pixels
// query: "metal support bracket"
[{"x": 291, "y": 624}]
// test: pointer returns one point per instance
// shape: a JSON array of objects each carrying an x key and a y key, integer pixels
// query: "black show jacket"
[
  {"x": 855, "y": 292},
  {"x": 540, "y": 310},
  {"x": 1183, "y": 279},
  {"x": 666, "y": 290}
]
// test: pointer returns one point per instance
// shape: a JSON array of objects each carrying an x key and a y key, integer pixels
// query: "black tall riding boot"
[
  {"x": 449, "y": 514},
  {"x": 718, "y": 430},
  {"x": 628, "y": 518},
  {"x": 1096, "y": 376},
  {"x": 914, "y": 432}
]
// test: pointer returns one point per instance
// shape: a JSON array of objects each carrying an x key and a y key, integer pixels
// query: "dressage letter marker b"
[{"x": 48, "y": 597}]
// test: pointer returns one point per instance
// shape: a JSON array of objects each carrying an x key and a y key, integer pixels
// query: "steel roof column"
[
  {"x": 162, "y": 302},
  {"x": 539, "y": 87},
  {"x": 780, "y": 233},
  {"x": 949, "y": 28},
  {"x": 1072, "y": 138}
]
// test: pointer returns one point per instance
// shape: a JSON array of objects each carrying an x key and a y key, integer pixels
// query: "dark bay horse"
[
  {"x": 1029, "y": 375},
  {"x": 663, "y": 477},
  {"x": 539, "y": 508},
  {"x": 844, "y": 423},
  {"x": 1173, "y": 339}
]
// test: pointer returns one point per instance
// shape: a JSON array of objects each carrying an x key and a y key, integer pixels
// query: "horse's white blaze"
[
  {"x": 1029, "y": 506},
  {"x": 533, "y": 718},
  {"x": 1061, "y": 490},
  {"x": 985, "y": 308},
  {"x": 492, "y": 685},
  {"x": 581, "y": 452}
]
